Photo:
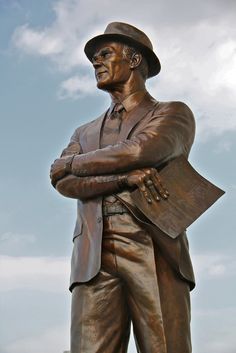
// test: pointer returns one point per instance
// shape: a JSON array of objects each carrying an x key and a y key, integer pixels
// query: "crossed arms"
[
  {"x": 147, "y": 180},
  {"x": 128, "y": 164}
]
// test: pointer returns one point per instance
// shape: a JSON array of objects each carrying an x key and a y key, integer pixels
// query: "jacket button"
[{"x": 99, "y": 219}]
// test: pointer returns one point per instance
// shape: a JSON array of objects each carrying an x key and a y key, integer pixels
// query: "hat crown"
[{"x": 129, "y": 31}]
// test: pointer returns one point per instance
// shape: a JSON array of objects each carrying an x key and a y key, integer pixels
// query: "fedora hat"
[{"x": 130, "y": 35}]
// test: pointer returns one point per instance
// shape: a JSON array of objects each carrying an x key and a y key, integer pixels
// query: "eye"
[
  {"x": 102, "y": 55},
  {"x": 105, "y": 54}
]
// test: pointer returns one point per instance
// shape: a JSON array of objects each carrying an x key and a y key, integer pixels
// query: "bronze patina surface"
[{"x": 124, "y": 267}]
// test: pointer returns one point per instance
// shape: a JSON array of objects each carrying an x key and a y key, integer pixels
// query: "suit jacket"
[{"x": 154, "y": 134}]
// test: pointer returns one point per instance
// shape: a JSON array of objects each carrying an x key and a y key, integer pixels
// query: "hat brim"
[{"x": 153, "y": 62}]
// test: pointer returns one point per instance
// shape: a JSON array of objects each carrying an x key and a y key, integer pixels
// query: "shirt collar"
[{"x": 130, "y": 102}]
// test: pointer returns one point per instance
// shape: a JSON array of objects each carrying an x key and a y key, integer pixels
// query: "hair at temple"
[{"x": 128, "y": 52}]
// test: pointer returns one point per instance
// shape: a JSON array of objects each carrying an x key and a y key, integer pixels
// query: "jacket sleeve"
[
  {"x": 84, "y": 188},
  {"x": 168, "y": 134}
]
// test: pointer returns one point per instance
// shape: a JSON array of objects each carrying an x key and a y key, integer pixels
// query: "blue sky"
[{"x": 47, "y": 89}]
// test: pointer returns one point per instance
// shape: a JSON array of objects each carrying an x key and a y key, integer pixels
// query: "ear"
[{"x": 135, "y": 60}]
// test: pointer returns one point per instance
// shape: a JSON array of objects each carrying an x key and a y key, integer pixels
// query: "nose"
[{"x": 96, "y": 62}]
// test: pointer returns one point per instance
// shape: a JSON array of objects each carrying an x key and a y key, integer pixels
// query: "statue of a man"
[{"x": 120, "y": 272}]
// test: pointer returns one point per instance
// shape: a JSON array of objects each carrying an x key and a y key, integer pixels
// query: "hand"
[
  {"x": 60, "y": 168},
  {"x": 149, "y": 183},
  {"x": 72, "y": 148}
]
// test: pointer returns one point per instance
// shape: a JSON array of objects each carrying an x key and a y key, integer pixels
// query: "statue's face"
[{"x": 112, "y": 69}]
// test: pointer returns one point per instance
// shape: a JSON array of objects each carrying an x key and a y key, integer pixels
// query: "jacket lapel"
[
  {"x": 142, "y": 109},
  {"x": 92, "y": 136}
]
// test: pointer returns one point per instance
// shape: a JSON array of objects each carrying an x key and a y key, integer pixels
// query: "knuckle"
[{"x": 141, "y": 178}]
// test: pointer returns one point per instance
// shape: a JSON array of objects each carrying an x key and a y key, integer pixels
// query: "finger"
[
  {"x": 52, "y": 170},
  {"x": 161, "y": 190},
  {"x": 53, "y": 173},
  {"x": 152, "y": 189},
  {"x": 153, "y": 183},
  {"x": 159, "y": 185},
  {"x": 54, "y": 182},
  {"x": 145, "y": 191},
  {"x": 55, "y": 177}
]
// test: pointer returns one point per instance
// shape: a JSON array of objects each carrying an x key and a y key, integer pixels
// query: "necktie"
[
  {"x": 117, "y": 111},
  {"x": 112, "y": 125},
  {"x": 110, "y": 134},
  {"x": 116, "y": 117}
]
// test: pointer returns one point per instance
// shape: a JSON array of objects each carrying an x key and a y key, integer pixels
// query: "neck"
[{"x": 122, "y": 91}]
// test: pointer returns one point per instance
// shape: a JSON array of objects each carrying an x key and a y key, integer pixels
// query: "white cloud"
[
  {"x": 53, "y": 340},
  {"x": 77, "y": 86},
  {"x": 196, "y": 44},
  {"x": 214, "y": 265},
  {"x": 50, "y": 274},
  {"x": 199, "y": 67},
  {"x": 37, "y": 42}
]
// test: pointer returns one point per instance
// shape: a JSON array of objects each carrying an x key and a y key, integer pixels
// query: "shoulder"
[
  {"x": 174, "y": 111},
  {"x": 175, "y": 117},
  {"x": 173, "y": 108},
  {"x": 169, "y": 108}
]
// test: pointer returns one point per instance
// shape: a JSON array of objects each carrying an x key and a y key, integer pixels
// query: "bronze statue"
[{"x": 124, "y": 268}]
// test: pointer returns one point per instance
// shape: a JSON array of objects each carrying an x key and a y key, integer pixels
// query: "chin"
[{"x": 104, "y": 85}]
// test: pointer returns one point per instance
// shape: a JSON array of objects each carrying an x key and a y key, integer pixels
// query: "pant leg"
[
  {"x": 175, "y": 304},
  {"x": 158, "y": 299},
  {"x": 135, "y": 263},
  {"x": 99, "y": 318}
]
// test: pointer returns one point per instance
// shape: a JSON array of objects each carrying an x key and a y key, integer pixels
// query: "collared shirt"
[{"x": 110, "y": 133}]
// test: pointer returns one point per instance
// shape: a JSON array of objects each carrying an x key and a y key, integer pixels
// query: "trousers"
[{"x": 135, "y": 284}]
